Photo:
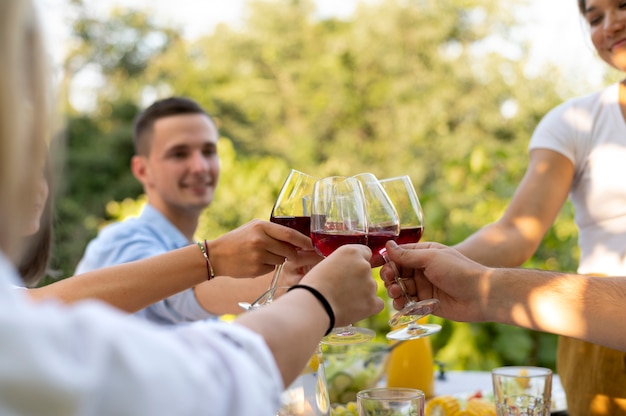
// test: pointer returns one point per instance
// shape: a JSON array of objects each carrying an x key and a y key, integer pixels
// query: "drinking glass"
[
  {"x": 522, "y": 391},
  {"x": 390, "y": 401},
  {"x": 338, "y": 217},
  {"x": 290, "y": 210},
  {"x": 402, "y": 194},
  {"x": 383, "y": 223}
]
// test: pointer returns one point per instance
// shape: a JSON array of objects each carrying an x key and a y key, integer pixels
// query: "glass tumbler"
[
  {"x": 522, "y": 391},
  {"x": 390, "y": 401}
]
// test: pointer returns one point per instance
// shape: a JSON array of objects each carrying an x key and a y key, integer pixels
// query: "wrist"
[
  {"x": 322, "y": 300},
  {"x": 495, "y": 303},
  {"x": 204, "y": 248},
  {"x": 212, "y": 251}
]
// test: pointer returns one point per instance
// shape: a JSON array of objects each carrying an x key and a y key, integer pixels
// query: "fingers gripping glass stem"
[{"x": 413, "y": 311}]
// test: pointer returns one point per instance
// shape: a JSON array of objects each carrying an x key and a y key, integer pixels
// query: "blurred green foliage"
[{"x": 402, "y": 87}]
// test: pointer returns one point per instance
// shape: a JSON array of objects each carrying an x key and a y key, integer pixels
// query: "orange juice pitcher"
[{"x": 411, "y": 365}]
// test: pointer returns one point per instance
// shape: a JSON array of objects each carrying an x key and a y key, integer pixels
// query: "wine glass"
[
  {"x": 402, "y": 194},
  {"x": 290, "y": 210},
  {"x": 338, "y": 217},
  {"x": 383, "y": 223}
]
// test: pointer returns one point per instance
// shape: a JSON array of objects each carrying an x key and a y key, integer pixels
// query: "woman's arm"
[
  {"x": 251, "y": 249},
  {"x": 135, "y": 285},
  {"x": 344, "y": 279},
  {"x": 513, "y": 238},
  {"x": 223, "y": 294},
  {"x": 85, "y": 356}
]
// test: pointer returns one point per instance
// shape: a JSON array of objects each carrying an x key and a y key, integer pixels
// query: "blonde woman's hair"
[{"x": 24, "y": 112}]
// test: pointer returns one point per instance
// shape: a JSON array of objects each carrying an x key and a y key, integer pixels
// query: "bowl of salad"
[{"x": 352, "y": 368}]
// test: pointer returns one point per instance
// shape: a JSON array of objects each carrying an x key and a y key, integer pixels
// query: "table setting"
[{"x": 448, "y": 392}]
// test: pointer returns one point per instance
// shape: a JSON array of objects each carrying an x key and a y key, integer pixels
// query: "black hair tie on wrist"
[{"x": 323, "y": 301}]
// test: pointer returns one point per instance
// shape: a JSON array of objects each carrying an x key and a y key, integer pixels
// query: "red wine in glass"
[
  {"x": 326, "y": 242},
  {"x": 410, "y": 235},
  {"x": 382, "y": 218},
  {"x": 301, "y": 224},
  {"x": 376, "y": 240}
]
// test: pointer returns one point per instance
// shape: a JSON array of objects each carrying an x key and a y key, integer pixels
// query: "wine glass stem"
[
  {"x": 274, "y": 283},
  {"x": 397, "y": 278}
]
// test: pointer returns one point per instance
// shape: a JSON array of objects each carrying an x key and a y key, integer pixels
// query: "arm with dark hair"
[{"x": 583, "y": 307}]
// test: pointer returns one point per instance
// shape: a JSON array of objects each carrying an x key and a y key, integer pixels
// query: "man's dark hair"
[{"x": 144, "y": 122}]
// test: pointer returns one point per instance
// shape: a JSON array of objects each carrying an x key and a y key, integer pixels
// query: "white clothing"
[
  {"x": 591, "y": 132},
  {"x": 88, "y": 359}
]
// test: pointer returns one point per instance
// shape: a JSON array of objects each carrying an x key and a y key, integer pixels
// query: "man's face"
[{"x": 181, "y": 170}]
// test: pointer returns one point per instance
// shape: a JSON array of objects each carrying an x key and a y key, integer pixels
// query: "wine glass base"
[
  {"x": 264, "y": 299},
  {"x": 413, "y": 311},
  {"x": 413, "y": 332},
  {"x": 348, "y": 335},
  {"x": 246, "y": 306}
]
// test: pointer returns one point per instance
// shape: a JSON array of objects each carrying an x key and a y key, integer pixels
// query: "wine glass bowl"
[
  {"x": 383, "y": 223},
  {"x": 338, "y": 217},
  {"x": 402, "y": 194},
  {"x": 291, "y": 207},
  {"x": 337, "y": 214}
]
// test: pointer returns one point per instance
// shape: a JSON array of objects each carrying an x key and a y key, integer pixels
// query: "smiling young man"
[{"x": 177, "y": 163}]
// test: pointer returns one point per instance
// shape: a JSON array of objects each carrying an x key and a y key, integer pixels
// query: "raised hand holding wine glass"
[
  {"x": 338, "y": 217},
  {"x": 402, "y": 194},
  {"x": 291, "y": 210}
]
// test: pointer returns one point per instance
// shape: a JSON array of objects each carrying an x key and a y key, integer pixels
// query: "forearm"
[
  {"x": 589, "y": 308},
  {"x": 135, "y": 285},
  {"x": 498, "y": 245},
  {"x": 292, "y": 328},
  {"x": 222, "y": 294}
]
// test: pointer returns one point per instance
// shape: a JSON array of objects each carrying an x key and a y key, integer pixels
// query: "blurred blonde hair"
[{"x": 24, "y": 115}]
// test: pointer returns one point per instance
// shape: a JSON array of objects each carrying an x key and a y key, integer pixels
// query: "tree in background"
[{"x": 401, "y": 87}]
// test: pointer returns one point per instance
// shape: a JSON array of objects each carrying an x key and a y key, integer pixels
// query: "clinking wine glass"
[
  {"x": 338, "y": 217},
  {"x": 383, "y": 223},
  {"x": 402, "y": 194},
  {"x": 291, "y": 210}
]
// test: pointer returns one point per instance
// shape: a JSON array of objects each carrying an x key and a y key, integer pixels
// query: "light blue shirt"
[{"x": 138, "y": 238}]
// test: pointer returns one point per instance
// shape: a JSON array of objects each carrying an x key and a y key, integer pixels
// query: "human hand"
[
  {"x": 436, "y": 271},
  {"x": 345, "y": 279},
  {"x": 295, "y": 269},
  {"x": 255, "y": 249}
]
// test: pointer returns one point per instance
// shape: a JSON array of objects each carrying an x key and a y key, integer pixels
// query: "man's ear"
[{"x": 139, "y": 168}]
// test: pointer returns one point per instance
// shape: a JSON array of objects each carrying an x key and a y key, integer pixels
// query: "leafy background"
[{"x": 400, "y": 87}]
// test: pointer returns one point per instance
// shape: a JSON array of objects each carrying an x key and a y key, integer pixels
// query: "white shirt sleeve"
[
  {"x": 91, "y": 360},
  {"x": 557, "y": 131}
]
